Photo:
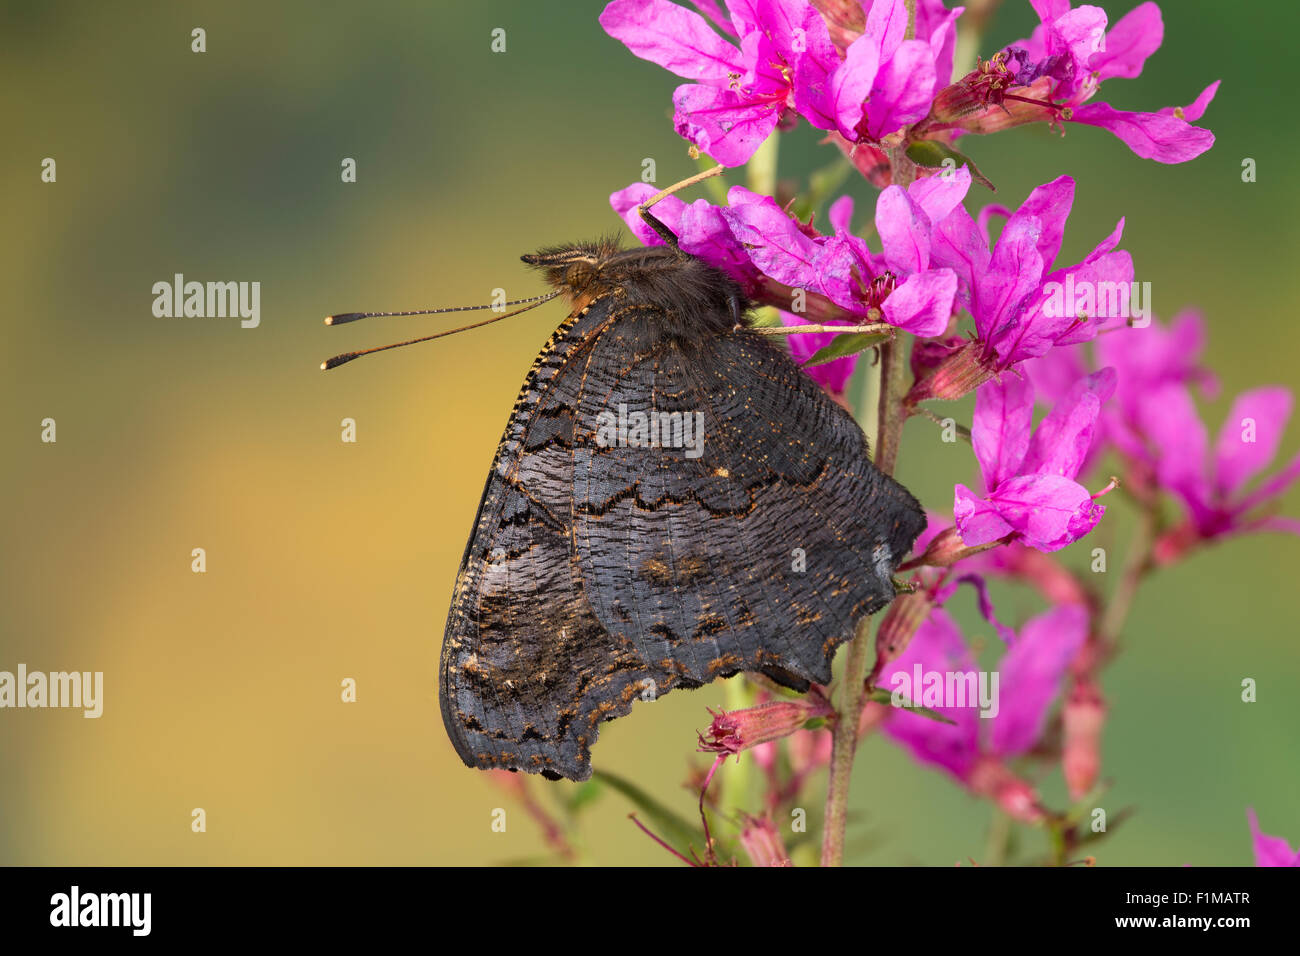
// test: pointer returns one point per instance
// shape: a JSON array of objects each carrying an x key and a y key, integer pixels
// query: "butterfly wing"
[
  {"x": 601, "y": 572},
  {"x": 527, "y": 669},
  {"x": 757, "y": 548}
]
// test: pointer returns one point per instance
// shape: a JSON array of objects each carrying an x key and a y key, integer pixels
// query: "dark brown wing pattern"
[{"x": 604, "y": 567}]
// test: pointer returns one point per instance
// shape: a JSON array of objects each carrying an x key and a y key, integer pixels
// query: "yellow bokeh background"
[{"x": 328, "y": 560}]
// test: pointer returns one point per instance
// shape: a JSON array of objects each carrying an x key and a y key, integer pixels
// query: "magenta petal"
[
  {"x": 1197, "y": 108},
  {"x": 1055, "y": 373},
  {"x": 956, "y": 244},
  {"x": 887, "y": 22},
  {"x": 1049, "y": 10},
  {"x": 1159, "y": 136},
  {"x": 1073, "y": 39},
  {"x": 1138, "y": 34},
  {"x": 851, "y": 83},
  {"x": 703, "y": 231},
  {"x": 840, "y": 214},
  {"x": 1152, "y": 355},
  {"x": 943, "y": 39},
  {"x": 1030, "y": 676},
  {"x": 978, "y": 522},
  {"x": 923, "y": 303},
  {"x": 903, "y": 90},
  {"x": 1270, "y": 850},
  {"x": 985, "y": 603},
  {"x": 1044, "y": 325},
  {"x": 904, "y": 232},
  {"x": 1279, "y": 523},
  {"x": 1004, "y": 411},
  {"x": 1112, "y": 277},
  {"x": 842, "y": 262},
  {"x": 719, "y": 19},
  {"x": 722, "y": 122},
  {"x": 1049, "y": 511},
  {"x": 1050, "y": 204},
  {"x": 1168, "y": 419},
  {"x": 987, "y": 213},
  {"x": 936, "y": 648},
  {"x": 1250, "y": 436},
  {"x": 673, "y": 37},
  {"x": 775, "y": 243},
  {"x": 816, "y": 60},
  {"x": 1061, "y": 442},
  {"x": 1272, "y": 486},
  {"x": 1015, "y": 271},
  {"x": 939, "y": 195}
]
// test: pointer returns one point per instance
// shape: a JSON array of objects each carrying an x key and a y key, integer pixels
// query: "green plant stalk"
[
  {"x": 844, "y": 740},
  {"x": 1136, "y": 567},
  {"x": 844, "y": 745},
  {"x": 760, "y": 171}
]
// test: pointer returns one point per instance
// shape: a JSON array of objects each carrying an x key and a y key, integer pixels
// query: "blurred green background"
[{"x": 329, "y": 560}]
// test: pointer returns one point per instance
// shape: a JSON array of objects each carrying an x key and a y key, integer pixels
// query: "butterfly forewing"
[{"x": 604, "y": 567}]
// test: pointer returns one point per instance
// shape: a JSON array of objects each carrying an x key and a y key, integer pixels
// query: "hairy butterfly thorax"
[{"x": 696, "y": 299}]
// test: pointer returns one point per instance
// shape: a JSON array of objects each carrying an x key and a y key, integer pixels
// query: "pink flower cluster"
[
  {"x": 1059, "y": 389},
  {"x": 854, "y": 72}
]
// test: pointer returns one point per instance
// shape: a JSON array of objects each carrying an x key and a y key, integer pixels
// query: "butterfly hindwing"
[{"x": 758, "y": 546}]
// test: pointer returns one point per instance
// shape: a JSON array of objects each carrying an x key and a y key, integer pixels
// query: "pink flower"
[
  {"x": 759, "y": 837},
  {"x": 1146, "y": 358},
  {"x": 1215, "y": 486},
  {"x": 1029, "y": 483},
  {"x": 887, "y": 82},
  {"x": 1014, "y": 294},
  {"x": 700, "y": 227},
  {"x": 1052, "y": 75},
  {"x": 974, "y": 749},
  {"x": 783, "y": 63},
  {"x": 1270, "y": 850},
  {"x": 737, "y": 730},
  {"x": 1083, "y": 717},
  {"x": 900, "y": 285}
]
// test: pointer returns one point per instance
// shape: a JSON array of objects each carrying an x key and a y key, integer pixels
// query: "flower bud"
[
  {"x": 907, "y": 613},
  {"x": 961, "y": 372},
  {"x": 759, "y": 837},
  {"x": 734, "y": 731},
  {"x": 1017, "y": 798},
  {"x": 1083, "y": 717},
  {"x": 845, "y": 20}
]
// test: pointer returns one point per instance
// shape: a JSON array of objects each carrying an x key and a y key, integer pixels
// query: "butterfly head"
[
  {"x": 575, "y": 270},
  {"x": 694, "y": 298}
]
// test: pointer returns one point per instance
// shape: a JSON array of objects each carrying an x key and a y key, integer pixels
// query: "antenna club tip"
[
  {"x": 324, "y": 366},
  {"x": 329, "y": 320}
]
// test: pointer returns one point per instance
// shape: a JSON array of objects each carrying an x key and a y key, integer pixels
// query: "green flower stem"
[
  {"x": 760, "y": 171},
  {"x": 844, "y": 743}
]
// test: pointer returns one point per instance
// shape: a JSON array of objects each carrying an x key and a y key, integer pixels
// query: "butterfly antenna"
[
  {"x": 344, "y": 317},
  {"x": 346, "y": 357},
  {"x": 651, "y": 220}
]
